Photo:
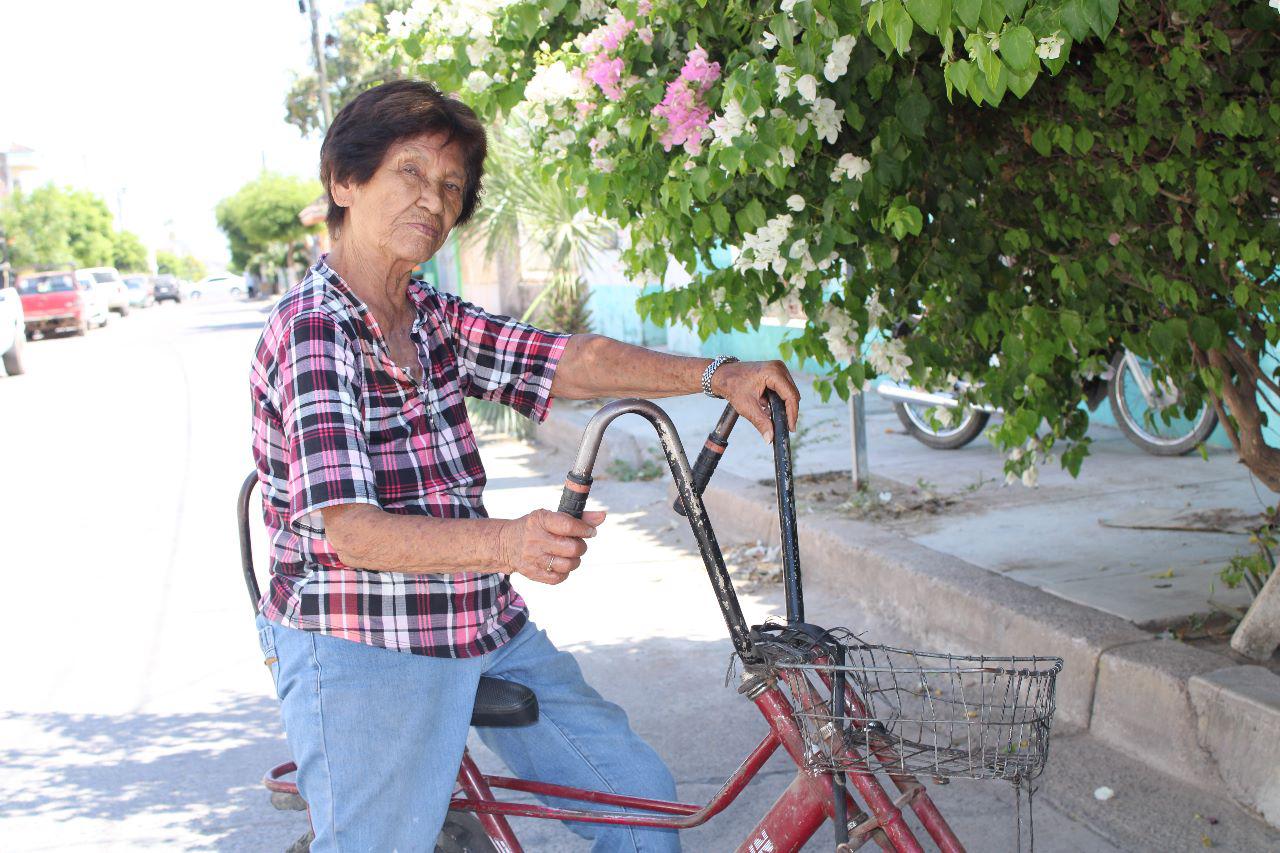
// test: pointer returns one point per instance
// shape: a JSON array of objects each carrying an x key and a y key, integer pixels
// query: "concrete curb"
[{"x": 1182, "y": 710}]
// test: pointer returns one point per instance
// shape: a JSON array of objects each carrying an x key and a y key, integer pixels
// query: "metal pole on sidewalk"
[{"x": 858, "y": 439}]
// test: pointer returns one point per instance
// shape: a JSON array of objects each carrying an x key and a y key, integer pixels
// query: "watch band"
[{"x": 711, "y": 371}]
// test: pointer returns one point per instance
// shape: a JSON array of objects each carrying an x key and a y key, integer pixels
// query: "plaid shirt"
[{"x": 336, "y": 421}]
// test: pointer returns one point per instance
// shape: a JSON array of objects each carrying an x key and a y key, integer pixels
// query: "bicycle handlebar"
[{"x": 709, "y": 457}]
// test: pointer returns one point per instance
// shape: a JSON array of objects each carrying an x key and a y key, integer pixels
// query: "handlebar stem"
[{"x": 699, "y": 523}]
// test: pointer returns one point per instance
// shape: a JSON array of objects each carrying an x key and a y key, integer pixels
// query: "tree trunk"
[
  {"x": 506, "y": 262},
  {"x": 1241, "y": 377},
  {"x": 1258, "y": 634}
]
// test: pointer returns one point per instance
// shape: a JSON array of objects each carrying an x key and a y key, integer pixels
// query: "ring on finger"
[{"x": 550, "y": 560}]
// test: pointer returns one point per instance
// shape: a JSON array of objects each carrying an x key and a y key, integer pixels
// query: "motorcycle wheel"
[
  {"x": 1157, "y": 438},
  {"x": 914, "y": 417}
]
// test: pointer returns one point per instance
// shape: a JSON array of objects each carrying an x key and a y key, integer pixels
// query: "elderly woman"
[{"x": 390, "y": 592}]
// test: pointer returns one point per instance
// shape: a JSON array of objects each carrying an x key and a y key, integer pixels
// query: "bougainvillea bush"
[{"x": 1032, "y": 183}]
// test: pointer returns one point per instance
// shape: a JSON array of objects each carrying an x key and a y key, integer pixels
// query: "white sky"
[{"x": 162, "y": 107}]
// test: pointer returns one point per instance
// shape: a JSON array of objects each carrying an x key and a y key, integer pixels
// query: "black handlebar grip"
[
  {"x": 573, "y": 500},
  {"x": 708, "y": 458}
]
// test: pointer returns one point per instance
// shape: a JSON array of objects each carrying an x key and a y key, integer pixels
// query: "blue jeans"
[{"x": 378, "y": 736}]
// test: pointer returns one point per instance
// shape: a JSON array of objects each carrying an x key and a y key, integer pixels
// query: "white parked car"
[
  {"x": 225, "y": 283},
  {"x": 12, "y": 325},
  {"x": 110, "y": 285},
  {"x": 97, "y": 306}
]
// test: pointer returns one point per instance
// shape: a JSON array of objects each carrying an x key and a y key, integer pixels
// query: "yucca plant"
[{"x": 524, "y": 205}]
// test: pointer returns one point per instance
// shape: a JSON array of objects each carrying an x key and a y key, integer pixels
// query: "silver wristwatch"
[{"x": 711, "y": 371}]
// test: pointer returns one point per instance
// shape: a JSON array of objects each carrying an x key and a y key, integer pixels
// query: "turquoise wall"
[{"x": 613, "y": 313}]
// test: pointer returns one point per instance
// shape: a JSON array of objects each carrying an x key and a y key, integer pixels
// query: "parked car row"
[{"x": 74, "y": 300}]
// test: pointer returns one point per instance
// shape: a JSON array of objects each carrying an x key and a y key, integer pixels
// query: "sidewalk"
[{"x": 1093, "y": 570}]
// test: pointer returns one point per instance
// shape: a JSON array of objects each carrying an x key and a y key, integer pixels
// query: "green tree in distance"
[
  {"x": 182, "y": 266},
  {"x": 58, "y": 226},
  {"x": 352, "y": 66},
  {"x": 261, "y": 221},
  {"x": 128, "y": 254}
]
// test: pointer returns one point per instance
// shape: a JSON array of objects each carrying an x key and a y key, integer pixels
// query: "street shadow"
[
  {"x": 197, "y": 774},
  {"x": 226, "y": 327}
]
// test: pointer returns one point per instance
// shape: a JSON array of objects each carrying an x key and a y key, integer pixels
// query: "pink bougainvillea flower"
[
  {"x": 684, "y": 107},
  {"x": 606, "y": 73}
]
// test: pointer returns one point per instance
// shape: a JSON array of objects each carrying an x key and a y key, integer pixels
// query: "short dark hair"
[{"x": 378, "y": 118}]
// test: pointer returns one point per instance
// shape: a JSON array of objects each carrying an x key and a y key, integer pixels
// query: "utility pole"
[{"x": 317, "y": 49}]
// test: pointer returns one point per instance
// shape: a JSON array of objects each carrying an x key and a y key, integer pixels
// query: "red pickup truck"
[{"x": 53, "y": 301}]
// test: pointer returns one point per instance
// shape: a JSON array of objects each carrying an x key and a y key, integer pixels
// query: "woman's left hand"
[{"x": 743, "y": 383}]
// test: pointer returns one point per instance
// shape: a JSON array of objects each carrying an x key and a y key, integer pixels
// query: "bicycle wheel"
[
  {"x": 1138, "y": 406},
  {"x": 916, "y": 420}
]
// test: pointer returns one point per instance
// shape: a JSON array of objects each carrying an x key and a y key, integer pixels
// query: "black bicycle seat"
[{"x": 502, "y": 703}]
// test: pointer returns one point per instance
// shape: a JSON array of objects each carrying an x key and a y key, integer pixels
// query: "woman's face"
[{"x": 405, "y": 211}]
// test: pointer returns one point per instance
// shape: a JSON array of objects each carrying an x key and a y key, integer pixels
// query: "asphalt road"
[{"x": 135, "y": 712}]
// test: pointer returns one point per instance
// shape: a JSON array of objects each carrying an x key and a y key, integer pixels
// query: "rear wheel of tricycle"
[{"x": 462, "y": 833}]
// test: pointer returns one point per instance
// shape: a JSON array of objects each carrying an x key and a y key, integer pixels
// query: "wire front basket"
[{"x": 865, "y": 708}]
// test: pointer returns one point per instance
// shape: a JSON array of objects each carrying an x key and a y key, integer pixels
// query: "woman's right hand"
[{"x": 546, "y": 546}]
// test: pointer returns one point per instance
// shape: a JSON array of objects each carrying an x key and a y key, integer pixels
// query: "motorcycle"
[{"x": 937, "y": 419}]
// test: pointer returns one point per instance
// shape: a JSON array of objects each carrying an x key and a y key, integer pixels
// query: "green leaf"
[
  {"x": 1018, "y": 47},
  {"x": 720, "y": 218},
  {"x": 1109, "y": 10},
  {"x": 968, "y": 10},
  {"x": 988, "y": 64},
  {"x": 959, "y": 73},
  {"x": 1092, "y": 11},
  {"x": 913, "y": 111},
  {"x": 1020, "y": 84},
  {"x": 1074, "y": 20},
  {"x": 1084, "y": 140},
  {"x": 1241, "y": 294},
  {"x": 1204, "y": 332},
  {"x": 1041, "y": 142},
  {"x": 926, "y": 13},
  {"x": 754, "y": 212},
  {"x": 898, "y": 25}
]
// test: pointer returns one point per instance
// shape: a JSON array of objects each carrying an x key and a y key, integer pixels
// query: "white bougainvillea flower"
[
  {"x": 397, "y": 25},
  {"x": 554, "y": 83},
  {"x": 838, "y": 60},
  {"x": 788, "y": 155},
  {"x": 796, "y": 203},
  {"x": 807, "y": 86},
  {"x": 826, "y": 120},
  {"x": 1031, "y": 476},
  {"x": 478, "y": 81},
  {"x": 760, "y": 249},
  {"x": 850, "y": 167},
  {"x": 785, "y": 73},
  {"x": 1275, "y": 4},
  {"x": 787, "y": 6},
  {"x": 889, "y": 358},
  {"x": 1050, "y": 47},
  {"x": 769, "y": 41}
]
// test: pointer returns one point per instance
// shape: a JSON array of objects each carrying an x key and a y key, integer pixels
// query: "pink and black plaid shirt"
[{"x": 336, "y": 421}]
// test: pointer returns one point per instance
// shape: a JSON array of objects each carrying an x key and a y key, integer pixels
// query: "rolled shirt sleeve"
[
  {"x": 322, "y": 421},
  {"x": 502, "y": 359}
]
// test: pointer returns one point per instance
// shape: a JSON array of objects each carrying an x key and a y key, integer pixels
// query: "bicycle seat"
[{"x": 501, "y": 703}]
